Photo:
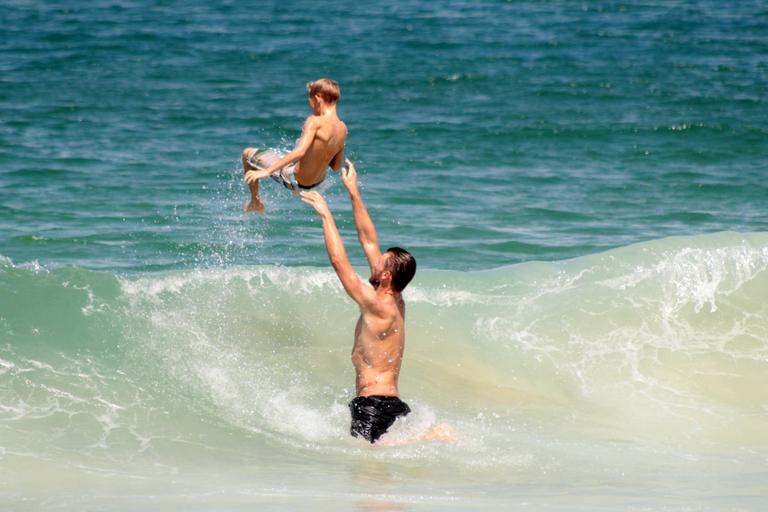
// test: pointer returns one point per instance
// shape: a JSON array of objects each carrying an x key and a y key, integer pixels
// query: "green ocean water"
[{"x": 583, "y": 185}]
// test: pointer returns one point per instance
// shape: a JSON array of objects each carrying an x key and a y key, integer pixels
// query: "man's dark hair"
[{"x": 402, "y": 265}]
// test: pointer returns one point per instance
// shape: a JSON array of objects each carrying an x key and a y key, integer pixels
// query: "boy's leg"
[{"x": 255, "y": 204}]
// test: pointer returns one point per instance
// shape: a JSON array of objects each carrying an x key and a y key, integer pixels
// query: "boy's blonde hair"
[{"x": 325, "y": 88}]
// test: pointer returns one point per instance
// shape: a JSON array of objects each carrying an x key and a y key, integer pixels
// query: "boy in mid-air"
[{"x": 321, "y": 145}]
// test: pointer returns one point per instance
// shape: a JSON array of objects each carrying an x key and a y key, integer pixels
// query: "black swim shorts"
[{"x": 373, "y": 415}]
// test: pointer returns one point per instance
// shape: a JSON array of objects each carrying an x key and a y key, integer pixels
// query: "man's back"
[
  {"x": 325, "y": 150},
  {"x": 379, "y": 342}
]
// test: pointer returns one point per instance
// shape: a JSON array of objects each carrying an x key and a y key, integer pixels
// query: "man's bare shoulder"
[
  {"x": 370, "y": 302},
  {"x": 384, "y": 306}
]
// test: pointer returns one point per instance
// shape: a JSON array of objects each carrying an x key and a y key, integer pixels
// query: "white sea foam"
[
  {"x": 34, "y": 266},
  {"x": 697, "y": 276},
  {"x": 443, "y": 297},
  {"x": 294, "y": 280}
]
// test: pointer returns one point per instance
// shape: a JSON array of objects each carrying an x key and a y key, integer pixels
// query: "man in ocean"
[
  {"x": 377, "y": 353},
  {"x": 321, "y": 145}
]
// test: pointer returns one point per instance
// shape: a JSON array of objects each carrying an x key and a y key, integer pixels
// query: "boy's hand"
[
  {"x": 253, "y": 176},
  {"x": 349, "y": 176},
  {"x": 317, "y": 202}
]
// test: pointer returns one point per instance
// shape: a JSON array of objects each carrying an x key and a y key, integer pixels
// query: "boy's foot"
[{"x": 254, "y": 205}]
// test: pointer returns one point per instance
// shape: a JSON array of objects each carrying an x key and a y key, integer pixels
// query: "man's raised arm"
[
  {"x": 366, "y": 231},
  {"x": 351, "y": 282}
]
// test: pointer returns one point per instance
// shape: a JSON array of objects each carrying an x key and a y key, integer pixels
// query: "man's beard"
[{"x": 375, "y": 282}]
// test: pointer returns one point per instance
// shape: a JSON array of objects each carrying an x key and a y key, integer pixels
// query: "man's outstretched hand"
[
  {"x": 349, "y": 176},
  {"x": 317, "y": 202}
]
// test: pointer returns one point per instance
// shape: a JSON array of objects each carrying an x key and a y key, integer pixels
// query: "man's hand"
[
  {"x": 318, "y": 203},
  {"x": 349, "y": 177}
]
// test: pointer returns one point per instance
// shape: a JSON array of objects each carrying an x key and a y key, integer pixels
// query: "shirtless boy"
[
  {"x": 321, "y": 145},
  {"x": 380, "y": 332}
]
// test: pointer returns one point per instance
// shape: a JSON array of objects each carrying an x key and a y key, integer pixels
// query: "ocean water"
[{"x": 583, "y": 184}]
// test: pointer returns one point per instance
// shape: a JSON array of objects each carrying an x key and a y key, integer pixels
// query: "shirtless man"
[
  {"x": 321, "y": 145},
  {"x": 380, "y": 332}
]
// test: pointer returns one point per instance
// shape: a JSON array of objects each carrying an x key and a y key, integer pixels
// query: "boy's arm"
[
  {"x": 366, "y": 231},
  {"x": 307, "y": 136},
  {"x": 351, "y": 282}
]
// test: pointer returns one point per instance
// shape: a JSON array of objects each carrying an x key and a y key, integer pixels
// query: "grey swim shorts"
[{"x": 286, "y": 176}]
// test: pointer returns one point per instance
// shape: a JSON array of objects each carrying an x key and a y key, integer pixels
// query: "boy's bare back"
[{"x": 325, "y": 150}]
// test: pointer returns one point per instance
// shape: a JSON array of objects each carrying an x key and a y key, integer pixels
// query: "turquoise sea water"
[{"x": 583, "y": 184}]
